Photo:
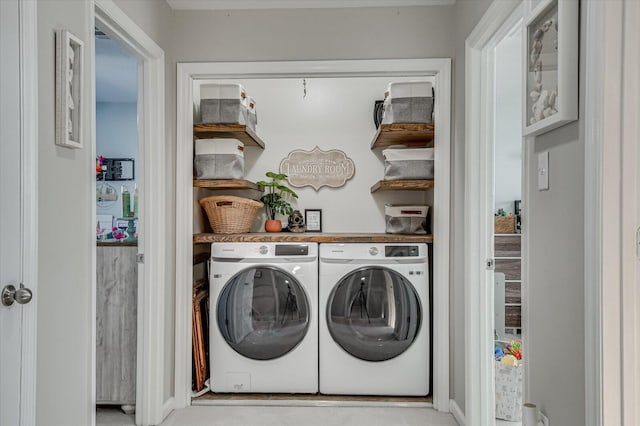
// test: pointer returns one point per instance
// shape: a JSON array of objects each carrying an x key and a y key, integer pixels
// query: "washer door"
[
  {"x": 374, "y": 314},
  {"x": 263, "y": 313}
]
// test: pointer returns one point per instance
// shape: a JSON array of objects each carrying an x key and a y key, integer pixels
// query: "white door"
[{"x": 16, "y": 238}]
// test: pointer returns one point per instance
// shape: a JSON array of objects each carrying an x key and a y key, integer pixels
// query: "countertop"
[
  {"x": 114, "y": 243},
  {"x": 312, "y": 237}
]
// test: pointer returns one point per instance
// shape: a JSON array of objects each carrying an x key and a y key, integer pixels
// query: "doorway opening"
[
  {"x": 117, "y": 179},
  {"x": 507, "y": 233},
  {"x": 190, "y": 73},
  {"x": 153, "y": 344}
]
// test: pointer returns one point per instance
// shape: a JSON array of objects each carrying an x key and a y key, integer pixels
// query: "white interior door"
[
  {"x": 16, "y": 405},
  {"x": 10, "y": 220}
]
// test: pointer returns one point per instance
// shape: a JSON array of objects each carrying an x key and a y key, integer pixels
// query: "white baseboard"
[{"x": 457, "y": 412}]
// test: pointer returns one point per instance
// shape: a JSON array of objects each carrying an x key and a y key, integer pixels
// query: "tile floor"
[
  {"x": 113, "y": 416},
  {"x": 307, "y": 416},
  {"x": 288, "y": 416}
]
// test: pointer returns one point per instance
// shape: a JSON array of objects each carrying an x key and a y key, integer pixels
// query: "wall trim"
[
  {"x": 150, "y": 377},
  {"x": 187, "y": 72},
  {"x": 457, "y": 413},
  {"x": 611, "y": 174},
  {"x": 495, "y": 24},
  {"x": 29, "y": 171}
]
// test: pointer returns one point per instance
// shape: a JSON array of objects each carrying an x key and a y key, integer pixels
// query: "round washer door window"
[
  {"x": 263, "y": 313},
  {"x": 374, "y": 314}
]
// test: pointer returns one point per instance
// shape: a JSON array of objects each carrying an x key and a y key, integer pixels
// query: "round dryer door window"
[
  {"x": 374, "y": 314},
  {"x": 263, "y": 313}
]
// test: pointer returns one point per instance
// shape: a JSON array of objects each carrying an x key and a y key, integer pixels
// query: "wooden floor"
[{"x": 309, "y": 397}]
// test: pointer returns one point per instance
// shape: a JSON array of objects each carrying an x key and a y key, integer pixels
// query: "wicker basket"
[
  {"x": 230, "y": 215},
  {"x": 505, "y": 225}
]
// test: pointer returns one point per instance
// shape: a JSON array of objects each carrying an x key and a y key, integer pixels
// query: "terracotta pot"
[{"x": 273, "y": 225}]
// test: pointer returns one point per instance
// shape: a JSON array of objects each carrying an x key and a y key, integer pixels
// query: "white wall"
[
  {"x": 337, "y": 113},
  {"x": 66, "y": 236},
  {"x": 508, "y": 124},
  {"x": 117, "y": 137},
  {"x": 556, "y": 262}
]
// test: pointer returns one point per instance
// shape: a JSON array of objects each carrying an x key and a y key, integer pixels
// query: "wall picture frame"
[
  {"x": 313, "y": 220},
  {"x": 551, "y": 38},
  {"x": 69, "y": 89}
]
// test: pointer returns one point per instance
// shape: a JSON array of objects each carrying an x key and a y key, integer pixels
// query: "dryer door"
[
  {"x": 374, "y": 313},
  {"x": 263, "y": 312}
]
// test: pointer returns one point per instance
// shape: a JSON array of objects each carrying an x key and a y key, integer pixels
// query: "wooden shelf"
[
  {"x": 413, "y": 135},
  {"x": 226, "y": 184},
  {"x": 311, "y": 237},
  {"x": 229, "y": 131},
  {"x": 402, "y": 185}
]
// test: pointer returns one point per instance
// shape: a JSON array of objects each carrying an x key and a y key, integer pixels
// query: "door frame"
[
  {"x": 498, "y": 20},
  {"x": 612, "y": 107},
  {"x": 151, "y": 408},
  {"x": 188, "y": 72}
]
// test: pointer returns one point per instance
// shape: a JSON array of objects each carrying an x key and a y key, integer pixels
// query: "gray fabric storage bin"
[
  {"x": 408, "y": 163},
  {"x": 409, "y": 110},
  {"x": 406, "y": 219},
  {"x": 408, "y": 102},
  {"x": 218, "y": 159},
  {"x": 228, "y": 111}
]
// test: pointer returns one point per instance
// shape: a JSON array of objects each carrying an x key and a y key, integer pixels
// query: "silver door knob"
[{"x": 10, "y": 295}]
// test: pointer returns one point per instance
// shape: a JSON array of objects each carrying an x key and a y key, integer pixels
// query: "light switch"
[{"x": 543, "y": 171}]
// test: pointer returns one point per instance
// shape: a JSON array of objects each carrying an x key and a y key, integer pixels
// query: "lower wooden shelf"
[
  {"x": 312, "y": 237},
  {"x": 398, "y": 185}
]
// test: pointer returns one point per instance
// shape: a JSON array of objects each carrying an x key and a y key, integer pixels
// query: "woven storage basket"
[
  {"x": 230, "y": 215},
  {"x": 505, "y": 225}
]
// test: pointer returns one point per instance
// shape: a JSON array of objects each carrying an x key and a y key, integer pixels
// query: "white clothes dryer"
[
  {"x": 263, "y": 322},
  {"x": 374, "y": 319}
]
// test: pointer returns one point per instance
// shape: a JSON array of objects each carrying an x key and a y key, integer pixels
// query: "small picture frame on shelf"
[
  {"x": 313, "y": 220},
  {"x": 551, "y": 36}
]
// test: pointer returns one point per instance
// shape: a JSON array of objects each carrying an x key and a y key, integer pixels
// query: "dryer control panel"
[{"x": 401, "y": 251}]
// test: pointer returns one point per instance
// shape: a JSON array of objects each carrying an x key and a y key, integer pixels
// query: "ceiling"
[
  {"x": 297, "y": 4},
  {"x": 116, "y": 73}
]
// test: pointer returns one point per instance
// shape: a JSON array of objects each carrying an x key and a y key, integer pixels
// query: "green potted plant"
[{"x": 276, "y": 200}]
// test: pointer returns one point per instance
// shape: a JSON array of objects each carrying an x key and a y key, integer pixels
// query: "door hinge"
[
  {"x": 491, "y": 264},
  {"x": 638, "y": 243},
  {"x": 140, "y": 258}
]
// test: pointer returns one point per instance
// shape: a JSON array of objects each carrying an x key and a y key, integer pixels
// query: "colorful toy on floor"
[{"x": 514, "y": 348}]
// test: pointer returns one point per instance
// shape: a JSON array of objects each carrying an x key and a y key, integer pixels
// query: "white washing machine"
[
  {"x": 374, "y": 319},
  {"x": 263, "y": 322}
]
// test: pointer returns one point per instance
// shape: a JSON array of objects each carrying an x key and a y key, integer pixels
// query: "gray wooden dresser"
[{"x": 116, "y": 329}]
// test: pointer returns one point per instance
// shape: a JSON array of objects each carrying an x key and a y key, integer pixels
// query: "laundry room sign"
[{"x": 317, "y": 168}]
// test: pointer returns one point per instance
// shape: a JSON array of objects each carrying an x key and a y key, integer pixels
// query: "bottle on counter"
[
  {"x": 126, "y": 202},
  {"x": 135, "y": 200}
]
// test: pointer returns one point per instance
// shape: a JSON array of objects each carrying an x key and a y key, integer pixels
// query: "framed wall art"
[
  {"x": 69, "y": 89},
  {"x": 313, "y": 220},
  {"x": 551, "y": 66}
]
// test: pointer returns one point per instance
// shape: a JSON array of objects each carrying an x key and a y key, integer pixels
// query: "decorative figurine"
[{"x": 296, "y": 222}]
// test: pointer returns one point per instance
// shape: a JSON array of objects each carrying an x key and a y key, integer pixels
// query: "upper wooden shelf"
[
  {"x": 407, "y": 185},
  {"x": 413, "y": 135},
  {"x": 312, "y": 237},
  {"x": 226, "y": 184},
  {"x": 230, "y": 131}
]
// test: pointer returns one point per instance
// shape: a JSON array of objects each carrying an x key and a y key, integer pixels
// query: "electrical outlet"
[{"x": 544, "y": 420}]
